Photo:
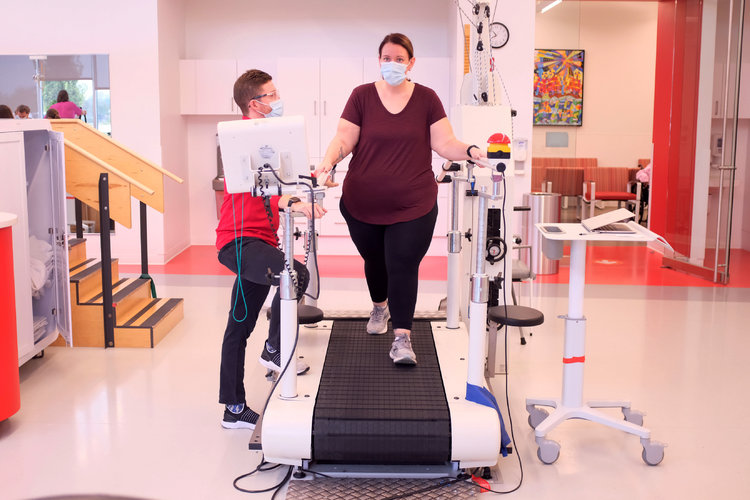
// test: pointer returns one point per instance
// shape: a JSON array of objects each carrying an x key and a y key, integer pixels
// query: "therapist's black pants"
[
  {"x": 392, "y": 254},
  {"x": 256, "y": 258}
]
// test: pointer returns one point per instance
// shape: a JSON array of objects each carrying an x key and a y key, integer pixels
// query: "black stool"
[
  {"x": 306, "y": 315},
  {"x": 519, "y": 316}
]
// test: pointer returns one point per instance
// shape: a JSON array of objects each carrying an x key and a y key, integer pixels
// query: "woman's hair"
[
  {"x": 248, "y": 86},
  {"x": 52, "y": 113},
  {"x": 62, "y": 96},
  {"x": 5, "y": 111},
  {"x": 397, "y": 39}
]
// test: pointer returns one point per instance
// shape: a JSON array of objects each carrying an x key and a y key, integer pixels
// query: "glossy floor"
[{"x": 145, "y": 422}]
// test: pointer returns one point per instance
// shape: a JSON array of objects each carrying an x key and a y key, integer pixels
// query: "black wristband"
[
  {"x": 468, "y": 150},
  {"x": 292, "y": 201}
]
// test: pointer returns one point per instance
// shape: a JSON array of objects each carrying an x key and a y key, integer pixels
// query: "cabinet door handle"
[
  {"x": 315, "y": 108},
  {"x": 231, "y": 103},
  {"x": 325, "y": 108}
]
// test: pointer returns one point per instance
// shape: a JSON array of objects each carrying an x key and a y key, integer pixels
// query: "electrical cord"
[
  {"x": 259, "y": 468},
  {"x": 277, "y": 487},
  {"x": 507, "y": 371},
  {"x": 238, "y": 255},
  {"x": 448, "y": 481},
  {"x": 310, "y": 244}
]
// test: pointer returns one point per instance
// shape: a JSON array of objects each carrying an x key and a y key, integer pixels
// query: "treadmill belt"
[{"x": 371, "y": 411}]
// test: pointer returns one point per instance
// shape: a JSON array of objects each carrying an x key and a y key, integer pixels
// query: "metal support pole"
[
  {"x": 144, "y": 250},
  {"x": 478, "y": 304},
  {"x": 79, "y": 218},
  {"x": 144, "y": 240},
  {"x": 454, "y": 261},
  {"x": 288, "y": 296},
  {"x": 312, "y": 263},
  {"x": 106, "y": 251}
]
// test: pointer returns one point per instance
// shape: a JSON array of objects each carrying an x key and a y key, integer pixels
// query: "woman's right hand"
[{"x": 324, "y": 170}]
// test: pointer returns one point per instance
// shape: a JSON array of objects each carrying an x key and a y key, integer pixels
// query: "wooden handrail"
[
  {"x": 106, "y": 166},
  {"x": 129, "y": 151}
]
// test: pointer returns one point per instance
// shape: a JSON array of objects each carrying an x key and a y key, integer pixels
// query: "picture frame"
[{"x": 558, "y": 87}]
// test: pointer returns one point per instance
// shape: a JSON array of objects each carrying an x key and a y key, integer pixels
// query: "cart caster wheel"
[
  {"x": 633, "y": 416},
  {"x": 536, "y": 416},
  {"x": 523, "y": 341},
  {"x": 653, "y": 453},
  {"x": 548, "y": 451}
]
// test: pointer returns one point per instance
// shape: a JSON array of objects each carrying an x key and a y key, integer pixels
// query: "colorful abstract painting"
[{"x": 558, "y": 87}]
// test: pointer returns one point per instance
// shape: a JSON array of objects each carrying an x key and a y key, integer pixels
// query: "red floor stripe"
[{"x": 605, "y": 265}]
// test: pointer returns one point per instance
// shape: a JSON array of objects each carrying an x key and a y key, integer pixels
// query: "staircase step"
[
  {"x": 129, "y": 295},
  {"x": 151, "y": 324},
  {"x": 86, "y": 279},
  {"x": 76, "y": 251}
]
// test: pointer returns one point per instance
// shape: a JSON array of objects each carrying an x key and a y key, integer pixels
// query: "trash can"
[
  {"x": 10, "y": 388},
  {"x": 544, "y": 207}
]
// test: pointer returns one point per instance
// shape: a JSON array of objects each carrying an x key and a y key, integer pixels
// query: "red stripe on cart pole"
[{"x": 576, "y": 359}]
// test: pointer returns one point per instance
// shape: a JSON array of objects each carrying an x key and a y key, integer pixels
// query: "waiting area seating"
[
  {"x": 609, "y": 184},
  {"x": 584, "y": 179}
]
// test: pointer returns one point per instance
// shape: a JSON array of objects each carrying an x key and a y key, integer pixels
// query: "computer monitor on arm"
[{"x": 265, "y": 156}]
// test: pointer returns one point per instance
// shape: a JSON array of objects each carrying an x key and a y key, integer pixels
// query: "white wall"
[
  {"x": 619, "y": 39},
  {"x": 171, "y": 22}
]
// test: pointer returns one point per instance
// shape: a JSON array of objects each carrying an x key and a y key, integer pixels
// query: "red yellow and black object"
[{"x": 498, "y": 146}]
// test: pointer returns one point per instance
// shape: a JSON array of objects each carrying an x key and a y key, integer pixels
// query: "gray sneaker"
[
  {"x": 401, "y": 351},
  {"x": 378, "y": 323}
]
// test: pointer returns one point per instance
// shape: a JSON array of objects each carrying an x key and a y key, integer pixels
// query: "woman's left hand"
[{"x": 478, "y": 154}]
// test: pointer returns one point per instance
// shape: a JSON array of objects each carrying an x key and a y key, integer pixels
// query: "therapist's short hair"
[
  {"x": 248, "y": 86},
  {"x": 397, "y": 39},
  {"x": 62, "y": 96}
]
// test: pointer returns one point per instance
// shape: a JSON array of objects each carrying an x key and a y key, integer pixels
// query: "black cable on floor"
[{"x": 447, "y": 482}]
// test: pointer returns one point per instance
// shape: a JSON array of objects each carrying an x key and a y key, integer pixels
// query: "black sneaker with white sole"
[
  {"x": 246, "y": 419},
  {"x": 272, "y": 361}
]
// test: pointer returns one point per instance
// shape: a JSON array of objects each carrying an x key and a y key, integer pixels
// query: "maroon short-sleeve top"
[{"x": 390, "y": 176}]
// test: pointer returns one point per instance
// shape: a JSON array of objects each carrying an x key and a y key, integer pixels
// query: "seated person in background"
[
  {"x": 52, "y": 114},
  {"x": 5, "y": 111},
  {"x": 66, "y": 108},
  {"x": 23, "y": 111},
  {"x": 644, "y": 177}
]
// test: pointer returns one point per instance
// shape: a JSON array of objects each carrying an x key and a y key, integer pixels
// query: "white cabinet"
[
  {"x": 318, "y": 89},
  {"x": 33, "y": 188},
  {"x": 206, "y": 86}
]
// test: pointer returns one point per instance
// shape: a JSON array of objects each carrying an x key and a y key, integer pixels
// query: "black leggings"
[{"x": 392, "y": 254}]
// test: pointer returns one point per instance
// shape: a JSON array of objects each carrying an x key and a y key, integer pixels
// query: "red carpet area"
[{"x": 605, "y": 265}]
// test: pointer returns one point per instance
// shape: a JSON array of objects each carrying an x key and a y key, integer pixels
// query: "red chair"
[{"x": 608, "y": 184}]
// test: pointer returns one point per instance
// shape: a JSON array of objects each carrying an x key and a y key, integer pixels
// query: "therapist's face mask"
[
  {"x": 393, "y": 73},
  {"x": 277, "y": 108}
]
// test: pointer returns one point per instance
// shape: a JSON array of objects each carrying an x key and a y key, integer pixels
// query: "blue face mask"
[
  {"x": 393, "y": 73},
  {"x": 277, "y": 109}
]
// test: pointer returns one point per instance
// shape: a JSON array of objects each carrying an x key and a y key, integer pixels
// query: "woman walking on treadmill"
[{"x": 389, "y": 197}]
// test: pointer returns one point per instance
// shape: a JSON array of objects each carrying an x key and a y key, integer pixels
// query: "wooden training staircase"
[
  {"x": 139, "y": 319},
  {"x": 104, "y": 174}
]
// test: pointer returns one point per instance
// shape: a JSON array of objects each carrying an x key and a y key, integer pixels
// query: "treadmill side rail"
[{"x": 475, "y": 429}]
